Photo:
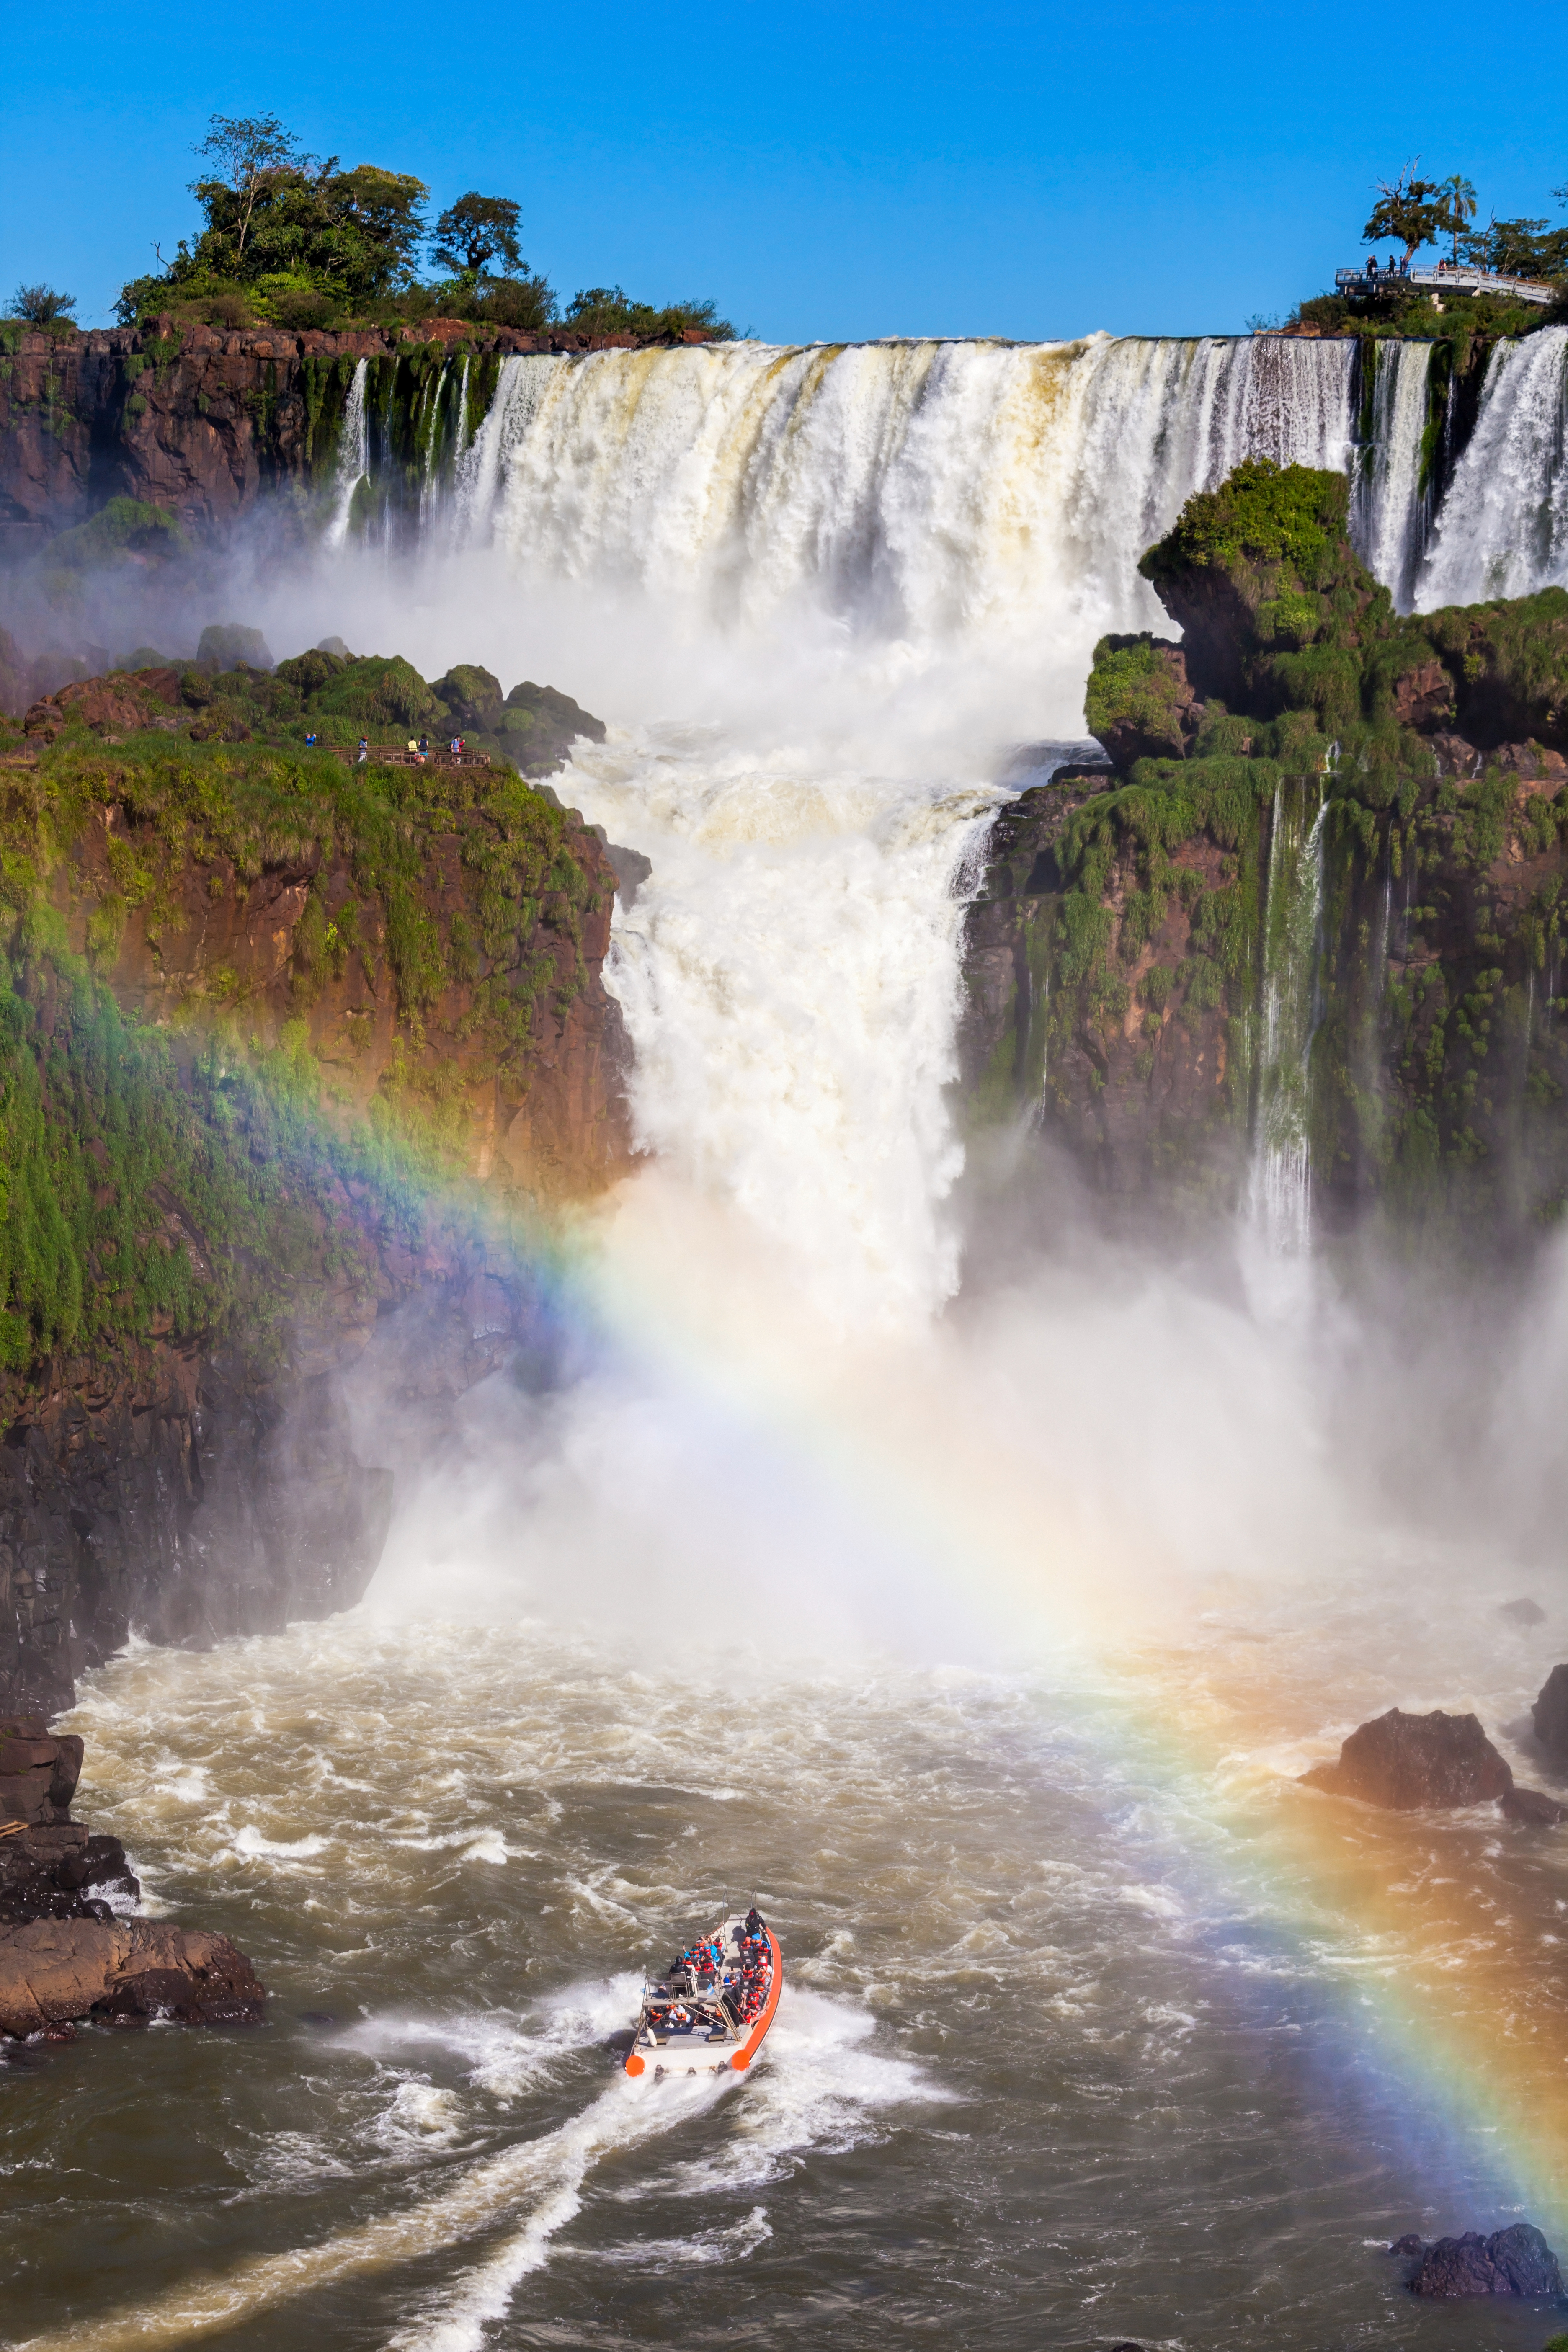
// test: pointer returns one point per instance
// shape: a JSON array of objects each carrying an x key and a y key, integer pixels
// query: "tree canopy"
[
  {"x": 476, "y": 231},
  {"x": 293, "y": 238}
]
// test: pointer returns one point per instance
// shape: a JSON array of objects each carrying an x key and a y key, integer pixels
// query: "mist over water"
[{"x": 966, "y": 1585}]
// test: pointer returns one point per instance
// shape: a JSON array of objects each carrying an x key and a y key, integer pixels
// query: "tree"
[
  {"x": 249, "y": 149},
  {"x": 300, "y": 223},
  {"x": 1518, "y": 248},
  {"x": 1459, "y": 198},
  {"x": 610, "y": 310},
  {"x": 476, "y": 231},
  {"x": 41, "y": 304},
  {"x": 1408, "y": 212}
]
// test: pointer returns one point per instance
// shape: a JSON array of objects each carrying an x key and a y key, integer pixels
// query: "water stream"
[{"x": 977, "y": 1630}]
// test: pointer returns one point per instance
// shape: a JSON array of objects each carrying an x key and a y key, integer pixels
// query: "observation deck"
[{"x": 1447, "y": 279}]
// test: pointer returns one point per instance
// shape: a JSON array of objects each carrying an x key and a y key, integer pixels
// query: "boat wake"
[{"x": 529, "y": 2193}]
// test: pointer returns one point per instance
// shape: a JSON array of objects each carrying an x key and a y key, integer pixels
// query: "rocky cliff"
[
  {"x": 196, "y": 423},
  {"x": 1318, "y": 804},
  {"x": 286, "y": 1045}
]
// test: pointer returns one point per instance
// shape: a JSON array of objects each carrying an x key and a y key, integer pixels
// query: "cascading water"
[
  {"x": 1055, "y": 1916},
  {"x": 1281, "y": 1185},
  {"x": 1391, "y": 513},
  {"x": 352, "y": 466},
  {"x": 1503, "y": 529}
]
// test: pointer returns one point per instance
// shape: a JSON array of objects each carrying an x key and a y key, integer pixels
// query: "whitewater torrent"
[
  {"x": 1391, "y": 515},
  {"x": 352, "y": 466},
  {"x": 981, "y": 1648},
  {"x": 1503, "y": 529},
  {"x": 1280, "y": 1194}
]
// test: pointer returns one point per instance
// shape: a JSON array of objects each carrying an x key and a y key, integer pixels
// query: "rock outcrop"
[
  {"x": 197, "y": 422},
  {"x": 1550, "y": 1712},
  {"x": 1407, "y": 1762},
  {"x": 1512, "y": 2262},
  {"x": 1408, "y": 774},
  {"x": 287, "y": 1046},
  {"x": 127, "y": 1971},
  {"x": 64, "y": 1953}
]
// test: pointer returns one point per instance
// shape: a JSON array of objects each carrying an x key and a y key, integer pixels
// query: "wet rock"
[
  {"x": 1532, "y": 1808},
  {"x": 1550, "y": 1713},
  {"x": 55, "y": 1971},
  {"x": 1514, "y": 2262},
  {"x": 1412, "y": 1762}
]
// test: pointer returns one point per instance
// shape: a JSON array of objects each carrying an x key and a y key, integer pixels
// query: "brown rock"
[
  {"x": 1532, "y": 1808},
  {"x": 1410, "y": 1762},
  {"x": 1550, "y": 1712},
  {"x": 1514, "y": 2262},
  {"x": 1423, "y": 695},
  {"x": 52, "y": 1970}
]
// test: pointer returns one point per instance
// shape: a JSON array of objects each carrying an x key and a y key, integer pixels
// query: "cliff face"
[
  {"x": 196, "y": 422},
  {"x": 285, "y": 1046},
  {"x": 1322, "y": 882}
]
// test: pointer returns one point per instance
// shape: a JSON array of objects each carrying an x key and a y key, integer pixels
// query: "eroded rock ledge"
[{"x": 64, "y": 1952}]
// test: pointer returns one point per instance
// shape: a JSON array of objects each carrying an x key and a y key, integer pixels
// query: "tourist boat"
[{"x": 704, "y": 2017}]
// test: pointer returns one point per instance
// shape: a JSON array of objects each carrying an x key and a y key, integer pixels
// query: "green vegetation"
[
  {"x": 1431, "y": 743},
  {"x": 1135, "y": 699},
  {"x": 293, "y": 239},
  {"x": 339, "y": 698},
  {"x": 194, "y": 1178},
  {"x": 41, "y": 304},
  {"x": 1413, "y": 212}
]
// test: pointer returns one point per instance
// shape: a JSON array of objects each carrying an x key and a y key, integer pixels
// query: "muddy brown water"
[{"x": 1055, "y": 2062}]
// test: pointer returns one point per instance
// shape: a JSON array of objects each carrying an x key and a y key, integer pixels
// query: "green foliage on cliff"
[
  {"x": 1262, "y": 513},
  {"x": 190, "y": 1178},
  {"x": 1431, "y": 743},
  {"x": 1133, "y": 695}
]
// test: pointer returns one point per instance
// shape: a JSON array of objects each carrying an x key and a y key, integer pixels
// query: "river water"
[{"x": 965, "y": 1591}]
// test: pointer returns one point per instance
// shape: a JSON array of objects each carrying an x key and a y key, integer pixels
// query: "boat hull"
[{"x": 694, "y": 2058}]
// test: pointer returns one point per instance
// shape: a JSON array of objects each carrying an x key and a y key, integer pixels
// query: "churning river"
[{"x": 967, "y": 1591}]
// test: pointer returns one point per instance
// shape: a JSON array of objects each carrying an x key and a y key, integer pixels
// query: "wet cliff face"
[
  {"x": 197, "y": 422},
  {"x": 297, "y": 1060},
  {"x": 1356, "y": 815}
]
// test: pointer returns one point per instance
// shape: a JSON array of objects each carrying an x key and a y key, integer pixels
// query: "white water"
[
  {"x": 353, "y": 465},
  {"x": 1503, "y": 530},
  {"x": 828, "y": 592},
  {"x": 1389, "y": 517},
  {"x": 1280, "y": 1194}
]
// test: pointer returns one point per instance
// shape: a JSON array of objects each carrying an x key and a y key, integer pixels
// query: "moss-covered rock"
[
  {"x": 474, "y": 698},
  {"x": 1139, "y": 702}
]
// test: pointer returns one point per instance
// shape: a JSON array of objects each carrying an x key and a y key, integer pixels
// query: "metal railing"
[{"x": 1447, "y": 280}]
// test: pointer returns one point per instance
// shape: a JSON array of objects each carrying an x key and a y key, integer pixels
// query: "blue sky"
[{"x": 821, "y": 172}]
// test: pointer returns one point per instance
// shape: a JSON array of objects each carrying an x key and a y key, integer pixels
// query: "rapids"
[{"x": 966, "y": 1590}]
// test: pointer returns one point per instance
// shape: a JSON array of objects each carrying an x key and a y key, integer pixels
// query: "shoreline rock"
[
  {"x": 1515, "y": 2262},
  {"x": 65, "y": 1953},
  {"x": 1411, "y": 1763}
]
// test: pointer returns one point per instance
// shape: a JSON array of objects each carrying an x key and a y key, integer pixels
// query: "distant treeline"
[{"x": 292, "y": 240}]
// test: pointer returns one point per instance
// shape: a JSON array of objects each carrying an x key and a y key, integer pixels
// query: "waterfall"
[
  {"x": 353, "y": 465},
  {"x": 1503, "y": 529},
  {"x": 1280, "y": 1193},
  {"x": 828, "y": 592},
  {"x": 1390, "y": 513},
  {"x": 916, "y": 491}
]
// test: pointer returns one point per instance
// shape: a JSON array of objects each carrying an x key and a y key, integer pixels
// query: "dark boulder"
[
  {"x": 1533, "y": 1809},
  {"x": 1516, "y": 2261},
  {"x": 1550, "y": 1713},
  {"x": 1409, "y": 1762}
]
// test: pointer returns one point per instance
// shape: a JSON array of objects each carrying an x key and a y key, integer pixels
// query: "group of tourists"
[
  {"x": 1396, "y": 269},
  {"x": 738, "y": 1983}
]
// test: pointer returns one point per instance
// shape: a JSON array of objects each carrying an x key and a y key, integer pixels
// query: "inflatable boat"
[{"x": 711, "y": 2010}]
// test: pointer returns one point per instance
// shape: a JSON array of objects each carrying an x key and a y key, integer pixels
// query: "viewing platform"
[{"x": 1444, "y": 279}]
